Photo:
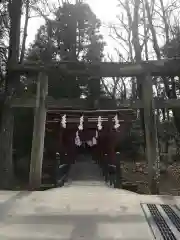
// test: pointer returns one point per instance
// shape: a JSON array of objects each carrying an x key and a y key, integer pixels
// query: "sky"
[{"x": 105, "y": 10}]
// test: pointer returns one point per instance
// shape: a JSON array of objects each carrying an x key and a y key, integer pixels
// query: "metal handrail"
[
  {"x": 63, "y": 174},
  {"x": 63, "y": 165}
]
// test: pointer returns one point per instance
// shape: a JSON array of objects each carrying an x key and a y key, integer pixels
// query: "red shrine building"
[{"x": 100, "y": 131}]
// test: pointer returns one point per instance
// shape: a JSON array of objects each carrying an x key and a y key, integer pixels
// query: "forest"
[{"x": 144, "y": 30}]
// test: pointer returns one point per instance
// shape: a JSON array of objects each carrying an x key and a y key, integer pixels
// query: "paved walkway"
[
  {"x": 77, "y": 212},
  {"x": 71, "y": 213}
]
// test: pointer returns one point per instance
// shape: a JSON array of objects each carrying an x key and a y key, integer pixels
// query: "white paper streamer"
[
  {"x": 81, "y": 123},
  {"x": 78, "y": 140},
  {"x": 94, "y": 141},
  {"x": 99, "y": 125},
  {"x": 63, "y": 121},
  {"x": 116, "y": 120},
  {"x": 96, "y": 135},
  {"x": 90, "y": 143}
]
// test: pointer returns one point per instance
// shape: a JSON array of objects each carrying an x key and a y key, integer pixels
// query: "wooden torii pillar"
[
  {"x": 152, "y": 150},
  {"x": 38, "y": 132}
]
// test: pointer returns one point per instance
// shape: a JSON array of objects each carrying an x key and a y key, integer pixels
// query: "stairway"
[{"x": 86, "y": 174}]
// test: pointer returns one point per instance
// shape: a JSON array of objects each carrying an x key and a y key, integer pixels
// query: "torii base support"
[{"x": 118, "y": 181}]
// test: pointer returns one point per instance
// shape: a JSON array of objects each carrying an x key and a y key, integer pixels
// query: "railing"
[
  {"x": 61, "y": 174},
  {"x": 111, "y": 173}
]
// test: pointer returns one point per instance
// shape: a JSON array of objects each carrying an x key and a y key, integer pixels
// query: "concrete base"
[{"x": 76, "y": 212}]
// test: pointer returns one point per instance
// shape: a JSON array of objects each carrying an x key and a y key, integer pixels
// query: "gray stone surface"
[
  {"x": 77, "y": 211},
  {"x": 74, "y": 212}
]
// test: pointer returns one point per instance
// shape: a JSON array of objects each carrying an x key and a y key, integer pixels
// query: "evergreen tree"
[
  {"x": 172, "y": 48},
  {"x": 74, "y": 35}
]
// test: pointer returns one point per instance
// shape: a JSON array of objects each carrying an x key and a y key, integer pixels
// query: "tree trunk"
[
  {"x": 6, "y": 148},
  {"x": 7, "y": 120},
  {"x": 25, "y": 32}
]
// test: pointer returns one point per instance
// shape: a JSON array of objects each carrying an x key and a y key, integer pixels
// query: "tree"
[
  {"x": 141, "y": 36},
  {"x": 172, "y": 48},
  {"x": 73, "y": 35}
]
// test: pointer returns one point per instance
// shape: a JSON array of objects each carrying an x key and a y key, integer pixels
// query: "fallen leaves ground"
[{"x": 138, "y": 173}]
